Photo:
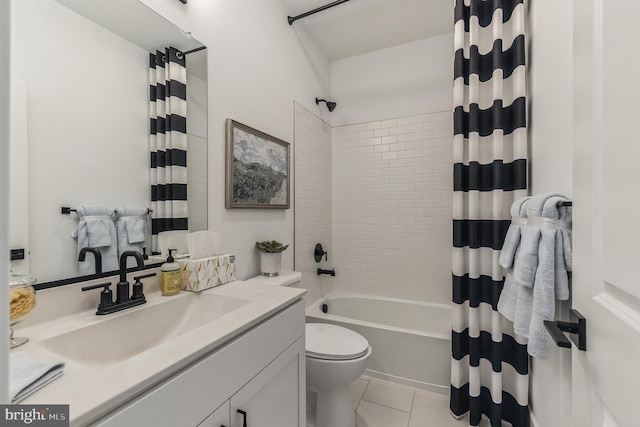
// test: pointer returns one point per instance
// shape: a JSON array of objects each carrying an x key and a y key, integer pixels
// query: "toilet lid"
[{"x": 325, "y": 341}]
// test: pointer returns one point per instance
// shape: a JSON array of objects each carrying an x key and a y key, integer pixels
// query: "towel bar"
[
  {"x": 67, "y": 210},
  {"x": 577, "y": 328}
]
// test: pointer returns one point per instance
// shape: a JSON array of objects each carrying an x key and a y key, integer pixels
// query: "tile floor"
[{"x": 381, "y": 403}]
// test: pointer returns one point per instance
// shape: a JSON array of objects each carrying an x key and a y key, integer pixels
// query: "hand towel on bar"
[
  {"x": 96, "y": 229},
  {"x": 132, "y": 230},
  {"x": 526, "y": 263},
  {"x": 509, "y": 295},
  {"x": 552, "y": 280},
  {"x": 28, "y": 375},
  {"x": 512, "y": 239}
]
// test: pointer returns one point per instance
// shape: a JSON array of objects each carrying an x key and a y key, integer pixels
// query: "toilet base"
[{"x": 334, "y": 409}]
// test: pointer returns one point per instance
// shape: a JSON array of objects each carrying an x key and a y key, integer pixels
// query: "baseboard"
[{"x": 406, "y": 381}]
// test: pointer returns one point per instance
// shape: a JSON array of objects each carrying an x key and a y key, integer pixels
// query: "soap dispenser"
[{"x": 170, "y": 276}]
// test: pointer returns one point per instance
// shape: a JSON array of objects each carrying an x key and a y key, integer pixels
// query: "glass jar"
[{"x": 22, "y": 300}]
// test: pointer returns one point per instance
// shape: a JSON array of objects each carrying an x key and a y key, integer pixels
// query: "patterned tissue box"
[{"x": 199, "y": 274}]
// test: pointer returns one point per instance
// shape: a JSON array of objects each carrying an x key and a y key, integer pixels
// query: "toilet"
[{"x": 335, "y": 357}]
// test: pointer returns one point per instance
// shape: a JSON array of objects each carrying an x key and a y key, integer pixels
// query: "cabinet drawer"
[{"x": 187, "y": 398}]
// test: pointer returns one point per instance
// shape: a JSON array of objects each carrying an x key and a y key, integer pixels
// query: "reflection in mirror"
[{"x": 79, "y": 121}]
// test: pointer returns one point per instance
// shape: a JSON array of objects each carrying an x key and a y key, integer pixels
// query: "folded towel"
[
  {"x": 526, "y": 263},
  {"x": 539, "y": 275},
  {"x": 552, "y": 280},
  {"x": 28, "y": 375},
  {"x": 508, "y": 302},
  {"x": 512, "y": 239},
  {"x": 132, "y": 230},
  {"x": 96, "y": 229}
]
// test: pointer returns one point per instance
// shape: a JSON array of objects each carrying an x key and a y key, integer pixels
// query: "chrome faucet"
[{"x": 97, "y": 256}]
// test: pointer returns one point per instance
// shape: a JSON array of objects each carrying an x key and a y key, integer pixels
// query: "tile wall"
[
  {"x": 312, "y": 198},
  {"x": 392, "y": 207}
]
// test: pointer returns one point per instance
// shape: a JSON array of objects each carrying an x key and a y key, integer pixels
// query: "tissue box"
[{"x": 199, "y": 274}]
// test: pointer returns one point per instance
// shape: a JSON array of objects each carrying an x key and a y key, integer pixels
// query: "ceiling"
[{"x": 362, "y": 26}]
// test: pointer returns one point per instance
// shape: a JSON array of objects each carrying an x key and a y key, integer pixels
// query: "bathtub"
[{"x": 411, "y": 341}]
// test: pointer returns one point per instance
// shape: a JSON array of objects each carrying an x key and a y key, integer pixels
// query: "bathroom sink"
[{"x": 117, "y": 337}]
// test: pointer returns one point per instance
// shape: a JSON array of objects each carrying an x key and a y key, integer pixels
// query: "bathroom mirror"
[{"x": 79, "y": 121}]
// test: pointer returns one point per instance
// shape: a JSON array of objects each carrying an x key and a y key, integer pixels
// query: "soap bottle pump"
[{"x": 170, "y": 276}]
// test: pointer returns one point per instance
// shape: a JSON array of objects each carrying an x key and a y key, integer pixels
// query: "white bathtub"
[{"x": 411, "y": 341}]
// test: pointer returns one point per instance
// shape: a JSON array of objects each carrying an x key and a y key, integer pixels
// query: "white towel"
[
  {"x": 28, "y": 375},
  {"x": 132, "y": 230},
  {"x": 96, "y": 229}
]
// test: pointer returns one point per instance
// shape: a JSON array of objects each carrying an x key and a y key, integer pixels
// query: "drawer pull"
[{"x": 244, "y": 415}]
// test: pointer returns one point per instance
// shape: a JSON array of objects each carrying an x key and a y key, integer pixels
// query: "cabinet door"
[
  {"x": 276, "y": 396},
  {"x": 220, "y": 418}
]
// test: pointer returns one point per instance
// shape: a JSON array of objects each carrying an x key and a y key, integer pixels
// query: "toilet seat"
[{"x": 331, "y": 342}]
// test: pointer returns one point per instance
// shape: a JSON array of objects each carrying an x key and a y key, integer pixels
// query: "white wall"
[
  {"x": 392, "y": 197},
  {"x": 410, "y": 79},
  {"x": 4, "y": 197},
  {"x": 551, "y": 142},
  {"x": 550, "y": 94},
  {"x": 313, "y": 201}
]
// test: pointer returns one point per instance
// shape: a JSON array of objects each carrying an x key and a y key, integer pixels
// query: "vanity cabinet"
[
  {"x": 220, "y": 418},
  {"x": 260, "y": 372}
]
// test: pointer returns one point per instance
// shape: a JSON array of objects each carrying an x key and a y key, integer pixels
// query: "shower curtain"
[
  {"x": 489, "y": 365},
  {"x": 168, "y": 142}
]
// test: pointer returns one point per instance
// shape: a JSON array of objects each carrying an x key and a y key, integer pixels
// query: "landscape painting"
[{"x": 257, "y": 169}]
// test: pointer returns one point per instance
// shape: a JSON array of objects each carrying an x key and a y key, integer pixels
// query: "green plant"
[{"x": 272, "y": 247}]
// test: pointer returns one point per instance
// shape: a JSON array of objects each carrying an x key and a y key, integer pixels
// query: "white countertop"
[{"x": 93, "y": 392}]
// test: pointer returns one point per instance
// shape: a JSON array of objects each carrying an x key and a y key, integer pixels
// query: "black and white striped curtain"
[
  {"x": 168, "y": 142},
  {"x": 490, "y": 365}
]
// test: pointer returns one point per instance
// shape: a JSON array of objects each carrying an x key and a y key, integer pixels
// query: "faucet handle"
[
  {"x": 106, "y": 296},
  {"x": 137, "y": 292}
]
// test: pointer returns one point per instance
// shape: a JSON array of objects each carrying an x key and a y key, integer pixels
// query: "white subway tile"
[{"x": 389, "y": 123}]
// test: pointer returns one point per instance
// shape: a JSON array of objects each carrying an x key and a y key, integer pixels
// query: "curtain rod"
[
  {"x": 198, "y": 49},
  {"x": 293, "y": 19}
]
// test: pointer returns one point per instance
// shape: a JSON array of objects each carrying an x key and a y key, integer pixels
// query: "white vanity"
[{"x": 232, "y": 352}]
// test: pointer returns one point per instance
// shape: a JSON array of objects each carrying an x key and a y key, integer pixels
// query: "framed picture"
[{"x": 257, "y": 169}]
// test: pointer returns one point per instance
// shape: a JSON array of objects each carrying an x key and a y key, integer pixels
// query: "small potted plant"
[{"x": 270, "y": 257}]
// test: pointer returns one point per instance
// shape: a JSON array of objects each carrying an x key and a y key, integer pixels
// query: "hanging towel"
[
  {"x": 552, "y": 279},
  {"x": 512, "y": 239},
  {"x": 132, "y": 230},
  {"x": 543, "y": 260},
  {"x": 28, "y": 375},
  {"x": 509, "y": 296},
  {"x": 526, "y": 263},
  {"x": 97, "y": 230}
]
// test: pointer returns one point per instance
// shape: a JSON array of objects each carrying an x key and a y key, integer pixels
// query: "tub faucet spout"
[{"x": 332, "y": 272}]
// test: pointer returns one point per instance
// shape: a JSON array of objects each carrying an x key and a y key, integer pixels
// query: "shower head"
[{"x": 330, "y": 105}]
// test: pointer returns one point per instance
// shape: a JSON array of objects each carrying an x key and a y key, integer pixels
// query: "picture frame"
[{"x": 257, "y": 169}]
